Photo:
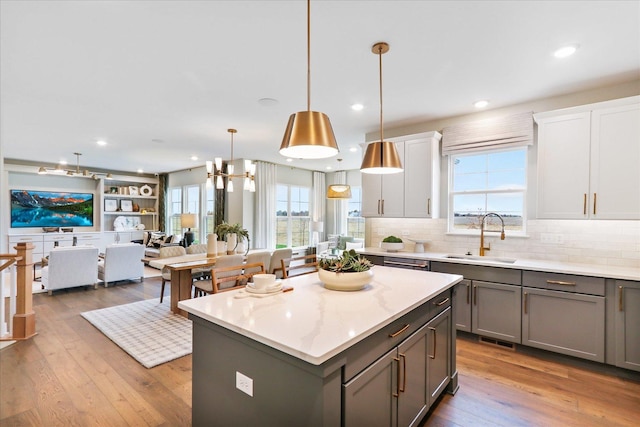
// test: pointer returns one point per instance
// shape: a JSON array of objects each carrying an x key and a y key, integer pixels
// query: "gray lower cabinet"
[
  {"x": 564, "y": 313},
  {"x": 496, "y": 310},
  {"x": 627, "y": 324},
  {"x": 463, "y": 305},
  {"x": 398, "y": 388}
]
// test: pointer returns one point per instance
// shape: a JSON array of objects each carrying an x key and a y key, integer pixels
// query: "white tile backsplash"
[{"x": 615, "y": 243}]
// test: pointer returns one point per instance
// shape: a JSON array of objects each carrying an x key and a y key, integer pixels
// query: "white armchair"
[
  {"x": 121, "y": 262},
  {"x": 70, "y": 267}
]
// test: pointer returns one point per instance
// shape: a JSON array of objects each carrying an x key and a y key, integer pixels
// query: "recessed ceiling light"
[
  {"x": 101, "y": 142},
  {"x": 194, "y": 158},
  {"x": 289, "y": 160},
  {"x": 353, "y": 149},
  {"x": 267, "y": 102},
  {"x": 329, "y": 168},
  {"x": 565, "y": 51},
  {"x": 357, "y": 107},
  {"x": 140, "y": 171},
  {"x": 481, "y": 104},
  {"x": 63, "y": 162}
]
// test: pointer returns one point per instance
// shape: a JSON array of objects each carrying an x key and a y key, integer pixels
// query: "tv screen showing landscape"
[{"x": 51, "y": 209}]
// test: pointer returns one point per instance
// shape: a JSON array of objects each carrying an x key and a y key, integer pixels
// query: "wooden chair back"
[
  {"x": 234, "y": 276},
  {"x": 300, "y": 265}
]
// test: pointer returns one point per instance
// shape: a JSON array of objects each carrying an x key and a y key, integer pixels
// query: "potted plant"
[
  {"x": 233, "y": 234},
  {"x": 349, "y": 272},
  {"x": 392, "y": 244}
]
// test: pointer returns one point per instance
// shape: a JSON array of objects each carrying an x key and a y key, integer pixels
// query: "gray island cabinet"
[{"x": 316, "y": 357}]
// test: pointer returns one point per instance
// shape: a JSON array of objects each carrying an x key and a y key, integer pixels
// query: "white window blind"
[{"x": 499, "y": 133}]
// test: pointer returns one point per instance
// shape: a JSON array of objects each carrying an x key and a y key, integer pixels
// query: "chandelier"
[
  {"x": 249, "y": 174},
  {"x": 60, "y": 170}
]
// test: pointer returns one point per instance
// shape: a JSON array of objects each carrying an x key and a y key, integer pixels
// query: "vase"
[
  {"x": 354, "y": 281},
  {"x": 240, "y": 247},
  {"x": 232, "y": 242},
  {"x": 222, "y": 247}
]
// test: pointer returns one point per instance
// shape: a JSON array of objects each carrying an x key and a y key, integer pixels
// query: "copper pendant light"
[
  {"x": 381, "y": 157},
  {"x": 339, "y": 191},
  {"x": 309, "y": 134}
]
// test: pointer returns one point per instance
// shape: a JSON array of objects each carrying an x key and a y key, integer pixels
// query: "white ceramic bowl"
[
  {"x": 262, "y": 281},
  {"x": 345, "y": 281},
  {"x": 392, "y": 247}
]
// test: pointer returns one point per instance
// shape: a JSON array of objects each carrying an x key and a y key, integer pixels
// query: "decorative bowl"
[
  {"x": 392, "y": 247},
  {"x": 345, "y": 281}
]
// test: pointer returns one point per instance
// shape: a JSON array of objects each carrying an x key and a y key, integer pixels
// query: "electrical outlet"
[
  {"x": 405, "y": 232},
  {"x": 553, "y": 238},
  {"x": 380, "y": 231},
  {"x": 244, "y": 383}
]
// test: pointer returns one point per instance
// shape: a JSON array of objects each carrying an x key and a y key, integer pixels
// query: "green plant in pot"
[
  {"x": 224, "y": 229},
  {"x": 350, "y": 272},
  {"x": 392, "y": 244}
]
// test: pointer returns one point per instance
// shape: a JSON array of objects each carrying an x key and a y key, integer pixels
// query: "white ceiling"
[{"x": 161, "y": 81}]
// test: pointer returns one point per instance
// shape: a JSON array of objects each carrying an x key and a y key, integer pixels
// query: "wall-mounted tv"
[{"x": 31, "y": 208}]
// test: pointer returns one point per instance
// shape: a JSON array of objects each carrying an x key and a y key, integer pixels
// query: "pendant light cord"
[
  {"x": 380, "y": 64},
  {"x": 308, "y": 55}
]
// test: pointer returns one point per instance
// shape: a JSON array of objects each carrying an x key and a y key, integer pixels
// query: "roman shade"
[{"x": 497, "y": 133}]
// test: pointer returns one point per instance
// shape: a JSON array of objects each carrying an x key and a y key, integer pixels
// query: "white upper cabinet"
[
  {"x": 413, "y": 193},
  {"x": 588, "y": 161}
]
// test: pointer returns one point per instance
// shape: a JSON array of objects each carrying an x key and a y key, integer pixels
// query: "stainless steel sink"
[{"x": 481, "y": 258}]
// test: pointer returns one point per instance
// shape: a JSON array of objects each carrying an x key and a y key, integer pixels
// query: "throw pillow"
[
  {"x": 353, "y": 245},
  {"x": 156, "y": 240},
  {"x": 342, "y": 241}
]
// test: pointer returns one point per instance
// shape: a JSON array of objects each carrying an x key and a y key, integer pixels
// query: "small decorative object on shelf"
[
  {"x": 350, "y": 272},
  {"x": 67, "y": 229},
  {"x": 136, "y": 207},
  {"x": 146, "y": 190},
  {"x": 50, "y": 229},
  {"x": 113, "y": 190},
  {"x": 110, "y": 205},
  {"x": 133, "y": 190},
  {"x": 126, "y": 205}
]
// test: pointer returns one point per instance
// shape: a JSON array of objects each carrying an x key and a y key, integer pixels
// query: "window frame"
[
  {"x": 290, "y": 218},
  {"x": 355, "y": 190},
  {"x": 524, "y": 190}
]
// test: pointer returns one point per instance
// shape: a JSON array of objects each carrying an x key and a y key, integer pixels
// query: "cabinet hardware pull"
[
  {"x": 379, "y": 207},
  {"x": 525, "y": 303},
  {"x": 397, "y": 393},
  {"x": 404, "y": 372},
  {"x": 435, "y": 343},
  {"x": 405, "y": 264},
  {"x": 382, "y": 206},
  {"x": 404, "y": 328},
  {"x": 620, "y": 298},
  {"x": 584, "y": 205},
  {"x": 594, "y": 202},
  {"x": 444, "y": 301},
  {"x": 468, "y": 292},
  {"x": 560, "y": 282},
  {"x": 475, "y": 295},
  {"x": 429, "y": 206}
]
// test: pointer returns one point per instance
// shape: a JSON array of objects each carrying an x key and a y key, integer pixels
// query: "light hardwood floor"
[{"x": 72, "y": 375}]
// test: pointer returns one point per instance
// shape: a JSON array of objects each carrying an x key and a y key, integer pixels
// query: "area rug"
[{"x": 147, "y": 330}]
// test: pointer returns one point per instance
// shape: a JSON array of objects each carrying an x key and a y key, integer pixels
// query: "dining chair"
[
  {"x": 263, "y": 257},
  {"x": 166, "y": 252},
  {"x": 228, "y": 278},
  {"x": 298, "y": 266},
  {"x": 206, "y": 286},
  {"x": 275, "y": 266}
]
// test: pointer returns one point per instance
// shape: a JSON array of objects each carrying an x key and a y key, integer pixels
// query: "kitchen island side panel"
[{"x": 284, "y": 392}]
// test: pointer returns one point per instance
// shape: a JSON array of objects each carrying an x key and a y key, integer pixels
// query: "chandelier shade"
[
  {"x": 309, "y": 134},
  {"x": 339, "y": 191}
]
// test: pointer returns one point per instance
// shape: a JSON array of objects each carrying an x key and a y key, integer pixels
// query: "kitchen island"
[{"x": 316, "y": 357}]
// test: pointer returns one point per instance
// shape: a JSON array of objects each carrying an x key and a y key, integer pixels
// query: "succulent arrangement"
[
  {"x": 392, "y": 239},
  {"x": 349, "y": 262}
]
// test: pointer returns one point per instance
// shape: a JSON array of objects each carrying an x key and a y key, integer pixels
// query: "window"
[
  {"x": 292, "y": 216},
  {"x": 209, "y": 218},
  {"x": 355, "y": 221},
  {"x": 192, "y": 205},
  {"x": 492, "y": 181},
  {"x": 175, "y": 209}
]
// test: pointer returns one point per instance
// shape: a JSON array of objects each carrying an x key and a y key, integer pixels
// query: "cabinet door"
[
  {"x": 496, "y": 310},
  {"x": 413, "y": 401},
  {"x": 371, "y": 194},
  {"x": 371, "y": 397},
  {"x": 615, "y": 155},
  {"x": 438, "y": 354},
  {"x": 421, "y": 178},
  {"x": 392, "y": 191},
  {"x": 627, "y": 324},
  {"x": 463, "y": 306},
  {"x": 563, "y": 166},
  {"x": 564, "y": 322}
]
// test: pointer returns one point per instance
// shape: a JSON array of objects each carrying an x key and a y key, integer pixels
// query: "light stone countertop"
[
  {"x": 313, "y": 323},
  {"x": 606, "y": 271}
]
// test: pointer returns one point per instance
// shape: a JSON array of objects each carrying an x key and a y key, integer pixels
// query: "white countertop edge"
[
  {"x": 605, "y": 271},
  {"x": 190, "y": 306}
]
